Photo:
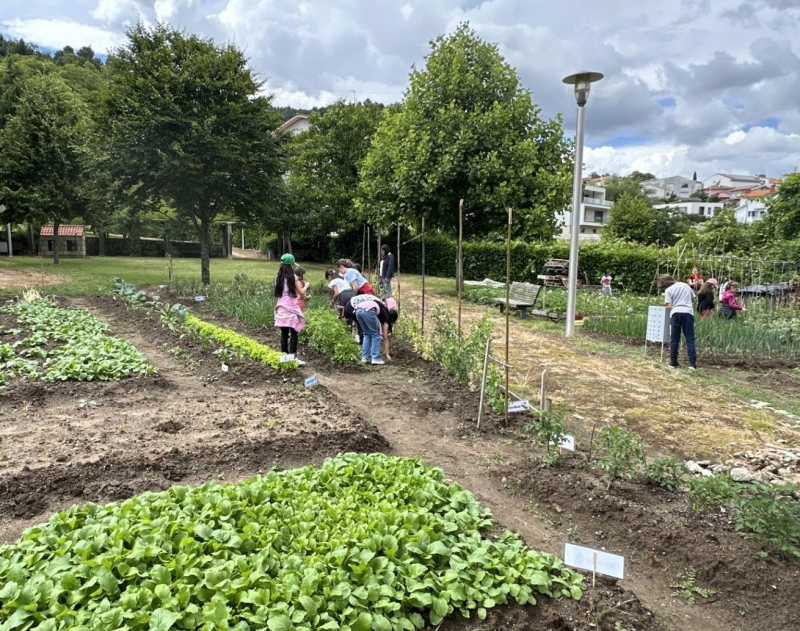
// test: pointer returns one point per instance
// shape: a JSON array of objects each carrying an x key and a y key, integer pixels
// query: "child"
[
  {"x": 387, "y": 270},
  {"x": 606, "y": 283},
  {"x": 354, "y": 278},
  {"x": 728, "y": 307},
  {"x": 375, "y": 322},
  {"x": 289, "y": 316},
  {"x": 695, "y": 280},
  {"x": 680, "y": 299},
  {"x": 337, "y": 283},
  {"x": 299, "y": 273},
  {"x": 705, "y": 298}
]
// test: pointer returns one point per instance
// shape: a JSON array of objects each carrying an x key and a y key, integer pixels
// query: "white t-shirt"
[
  {"x": 682, "y": 298},
  {"x": 339, "y": 283}
]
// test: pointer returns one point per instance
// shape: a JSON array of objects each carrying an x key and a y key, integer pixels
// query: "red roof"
[{"x": 63, "y": 231}]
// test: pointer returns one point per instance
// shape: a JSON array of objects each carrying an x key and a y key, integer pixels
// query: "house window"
[
  {"x": 72, "y": 245},
  {"x": 49, "y": 245},
  {"x": 594, "y": 230},
  {"x": 582, "y": 230},
  {"x": 684, "y": 186},
  {"x": 702, "y": 209},
  {"x": 598, "y": 216}
]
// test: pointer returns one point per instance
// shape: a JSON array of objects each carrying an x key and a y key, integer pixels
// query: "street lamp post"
[{"x": 582, "y": 82}]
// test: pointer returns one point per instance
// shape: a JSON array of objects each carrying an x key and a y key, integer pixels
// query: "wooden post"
[
  {"x": 460, "y": 262},
  {"x": 10, "y": 247},
  {"x": 508, "y": 309},
  {"x": 397, "y": 271},
  {"x": 423, "y": 274},
  {"x": 363, "y": 245},
  {"x": 378, "y": 255},
  {"x": 31, "y": 245},
  {"x": 56, "y": 226},
  {"x": 368, "y": 268}
]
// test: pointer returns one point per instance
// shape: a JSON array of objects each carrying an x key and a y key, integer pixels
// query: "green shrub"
[
  {"x": 549, "y": 432},
  {"x": 708, "y": 493},
  {"x": 768, "y": 513},
  {"x": 668, "y": 473},
  {"x": 365, "y": 542},
  {"x": 329, "y": 335},
  {"x": 619, "y": 452},
  {"x": 236, "y": 341}
]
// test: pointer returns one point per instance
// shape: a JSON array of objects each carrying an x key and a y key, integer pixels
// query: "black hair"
[
  {"x": 356, "y": 267},
  {"x": 285, "y": 277},
  {"x": 331, "y": 273}
]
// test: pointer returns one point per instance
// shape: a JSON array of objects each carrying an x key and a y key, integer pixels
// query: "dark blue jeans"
[{"x": 681, "y": 322}]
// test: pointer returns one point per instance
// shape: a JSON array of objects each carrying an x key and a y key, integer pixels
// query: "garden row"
[
  {"x": 55, "y": 344},
  {"x": 362, "y": 543}
]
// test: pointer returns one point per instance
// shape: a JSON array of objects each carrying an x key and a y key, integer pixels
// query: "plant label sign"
[
  {"x": 519, "y": 406},
  {"x": 596, "y": 561},
  {"x": 311, "y": 381},
  {"x": 567, "y": 442},
  {"x": 285, "y": 358},
  {"x": 199, "y": 298}
]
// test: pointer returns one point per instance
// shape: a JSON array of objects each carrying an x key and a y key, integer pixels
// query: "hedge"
[{"x": 633, "y": 266}]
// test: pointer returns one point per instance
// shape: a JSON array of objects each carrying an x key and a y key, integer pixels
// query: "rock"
[
  {"x": 704, "y": 463},
  {"x": 740, "y": 474}
]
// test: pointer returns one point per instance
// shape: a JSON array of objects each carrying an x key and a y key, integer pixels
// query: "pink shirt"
[
  {"x": 369, "y": 305},
  {"x": 729, "y": 299}
]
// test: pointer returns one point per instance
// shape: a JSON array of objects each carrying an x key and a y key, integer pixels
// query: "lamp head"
[{"x": 582, "y": 82}]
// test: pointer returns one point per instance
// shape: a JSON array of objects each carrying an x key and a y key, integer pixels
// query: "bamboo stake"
[
  {"x": 508, "y": 309},
  {"x": 397, "y": 271},
  {"x": 423, "y": 275},
  {"x": 460, "y": 266}
]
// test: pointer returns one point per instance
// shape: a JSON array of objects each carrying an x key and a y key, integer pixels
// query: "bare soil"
[
  {"x": 26, "y": 278},
  {"x": 193, "y": 423}
]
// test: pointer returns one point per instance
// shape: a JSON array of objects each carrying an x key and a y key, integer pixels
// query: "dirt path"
[
  {"x": 442, "y": 438},
  {"x": 671, "y": 411}
]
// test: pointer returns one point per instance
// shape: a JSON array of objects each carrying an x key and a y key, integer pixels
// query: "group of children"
[
  {"x": 353, "y": 297},
  {"x": 706, "y": 294}
]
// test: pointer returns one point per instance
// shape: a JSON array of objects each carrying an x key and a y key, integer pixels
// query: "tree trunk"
[
  {"x": 31, "y": 246},
  {"x": 102, "y": 244},
  {"x": 205, "y": 254},
  {"x": 56, "y": 225}
]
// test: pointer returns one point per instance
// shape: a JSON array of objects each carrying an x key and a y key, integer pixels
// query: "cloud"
[
  {"x": 56, "y": 33},
  {"x": 679, "y": 82}
]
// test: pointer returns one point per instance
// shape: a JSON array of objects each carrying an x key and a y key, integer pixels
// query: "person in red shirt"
[{"x": 695, "y": 280}]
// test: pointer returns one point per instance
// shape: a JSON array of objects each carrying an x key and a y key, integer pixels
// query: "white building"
[
  {"x": 750, "y": 209},
  {"x": 694, "y": 207},
  {"x": 729, "y": 180},
  {"x": 594, "y": 214},
  {"x": 295, "y": 124},
  {"x": 676, "y": 185}
]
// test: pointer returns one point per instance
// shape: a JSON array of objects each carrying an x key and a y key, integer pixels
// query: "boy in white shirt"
[{"x": 680, "y": 299}]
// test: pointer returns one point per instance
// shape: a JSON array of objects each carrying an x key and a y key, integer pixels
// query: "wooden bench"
[{"x": 520, "y": 296}]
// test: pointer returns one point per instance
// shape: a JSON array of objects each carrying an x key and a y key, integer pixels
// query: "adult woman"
[
  {"x": 289, "y": 316},
  {"x": 386, "y": 270},
  {"x": 728, "y": 307},
  {"x": 695, "y": 280},
  {"x": 354, "y": 278},
  {"x": 705, "y": 298}
]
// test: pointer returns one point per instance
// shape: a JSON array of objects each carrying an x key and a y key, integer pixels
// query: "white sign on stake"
[
  {"x": 519, "y": 406},
  {"x": 595, "y": 561},
  {"x": 311, "y": 381},
  {"x": 567, "y": 442},
  {"x": 285, "y": 358}
]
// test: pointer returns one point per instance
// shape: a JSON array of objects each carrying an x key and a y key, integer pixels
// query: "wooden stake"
[
  {"x": 423, "y": 275},
  {"x": 508, "y": 292},
  {"x": 397, "y": 271},
  {"x": 594, "y": 568},
  {"x": 460, "y": 263}
]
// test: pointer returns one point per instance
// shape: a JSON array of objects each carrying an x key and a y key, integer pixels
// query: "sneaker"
[
  {"x": 300, "y": 362},
  {"x": 364, "y": 360},
  {"x": 670, "y": 367},
  {"x": 378, "y": 362},
  {"x": 692, "y": 368}
]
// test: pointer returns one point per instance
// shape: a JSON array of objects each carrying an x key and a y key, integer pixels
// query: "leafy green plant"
[
  {"x": 685, "y": 588},
  {"x": 708, "y": 493},
  {"x": 87, "y": 353},
  {"x": 365, "y": 542},
  {"x": 768, "y": 513},
  {"x": 618, "y": 452},
  {"x": 325, "y": 332},
  {"x": 668, "y": 473},
  {"x": 549, "y": 432},
  {"x": 127, "y": 291},
  {"x": 239, "y": 343}
]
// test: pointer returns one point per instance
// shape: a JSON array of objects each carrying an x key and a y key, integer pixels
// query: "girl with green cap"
[{"x": 289, "y": 316}]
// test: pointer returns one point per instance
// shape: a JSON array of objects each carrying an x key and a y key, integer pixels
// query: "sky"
[{"x": 690, "y": 85}]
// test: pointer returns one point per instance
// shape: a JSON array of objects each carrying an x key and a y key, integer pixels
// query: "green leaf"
[
  {"x": 381, "y": 623},
  {"x": 162, "y": 620},
  {"x": 280, "y": 623}
]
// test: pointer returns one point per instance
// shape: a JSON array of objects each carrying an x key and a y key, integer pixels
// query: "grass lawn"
[{"x": 78, "y": 277}]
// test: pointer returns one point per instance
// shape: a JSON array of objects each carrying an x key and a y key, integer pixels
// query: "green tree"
[
  {"x": 467, "y": 129},
  {"x": 720, "y": 235},
  {"x": 185, "y": 126},
  {"x": 616, "y": 186},
  {"x": 638, "y": 176},
  {"x": 44, "y": 155},
  {"x": 632, "y": 219},
  {"x": 784, "y": 208},
  {"x": 323, "y": 167}
]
